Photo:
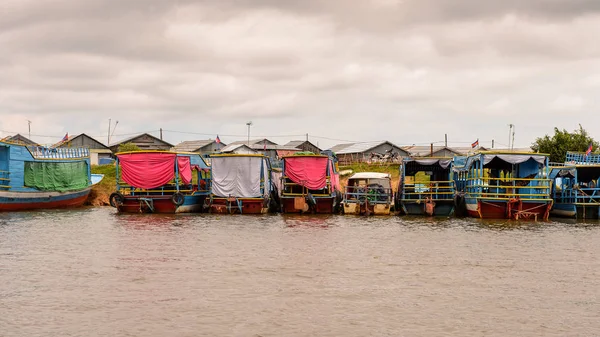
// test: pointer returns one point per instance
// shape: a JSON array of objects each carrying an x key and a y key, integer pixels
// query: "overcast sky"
[{"x": 408, "y": 71}]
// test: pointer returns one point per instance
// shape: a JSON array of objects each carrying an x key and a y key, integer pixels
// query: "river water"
[{"x": 92, "y": 272}]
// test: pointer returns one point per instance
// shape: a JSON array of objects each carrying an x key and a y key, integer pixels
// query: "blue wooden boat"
[
  {"x": 37, "y": 177},
  {"x": 575, "y": 187},
  {"x": 161, "y": 182},
  {"x": 504, "y": 185},
  {"x": 426, "y": 186}
]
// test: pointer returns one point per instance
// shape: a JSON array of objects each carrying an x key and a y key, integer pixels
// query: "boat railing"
[
  {"x": 4, "y": 180},
  {"x": 577, "y": 194},
  {"x": 581, "y": 158},
  {"x": 163, "y": 190},
  {"x": 292, "y": 189},
  {"x": 374, "y": 194},
  {"x": 509, "y": 188},
  {"x": 42, "y": 152},
  {"x": 434, "y": 190}
]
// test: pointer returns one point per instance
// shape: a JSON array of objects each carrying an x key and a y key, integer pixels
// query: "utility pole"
[
  {"x": 510, "y": 127},
  {"x": 307, "y": 137},
  {"x": 161, "y": 134},
  {"x": 29, "y": 127},
  {"x": 108, "y": 136},
  {"x": 492, "y": 143},
  {"x": 249, "y": 123},
  {"x": 512, "y": 144},
  {"x": 446, "y": 140}
]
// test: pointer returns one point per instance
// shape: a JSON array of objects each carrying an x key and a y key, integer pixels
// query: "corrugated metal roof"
[
  {"x": 361, "y": 147},
  {"x": 295, "y": 143},
  {"x": 127, "y": 140},
  {"x": 339, "y": 147},
  {"x": 193, "y": 145},
  {"x": 232, "y": 147}
]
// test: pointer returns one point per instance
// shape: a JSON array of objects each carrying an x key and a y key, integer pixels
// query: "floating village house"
[
  {"x": 144, "y": 141},
  {"x": 269, "y": 149},
  {"x": 99, "y": 153},
  {"x": 19, "y": 139},
  {"x": 304, "y": 145},
  {"x": 203, "y": 147},
  {"x": 238, "y": 149},
  {"x": 361, "y": 152}
]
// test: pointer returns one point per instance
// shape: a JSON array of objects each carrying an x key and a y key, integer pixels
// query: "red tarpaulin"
[
  {"x": 147, "y": 170},
  {"x": 310, "y": 172},
  {"x": 185, "y": 169},
  {"x": 334, "y": 177}
]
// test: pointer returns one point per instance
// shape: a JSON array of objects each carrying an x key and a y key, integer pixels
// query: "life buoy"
[
  {"x": 116, "y": 199},
  {"x": 177, "y": 198}
]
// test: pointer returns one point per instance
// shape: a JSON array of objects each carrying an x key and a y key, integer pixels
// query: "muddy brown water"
[{"x": 92, "y": 272}]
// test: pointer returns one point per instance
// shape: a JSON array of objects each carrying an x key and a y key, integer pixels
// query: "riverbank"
[{"x": 99, "y": 196}]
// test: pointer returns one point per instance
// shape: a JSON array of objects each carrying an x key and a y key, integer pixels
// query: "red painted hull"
[
  {"x": 515, "y": 210},
  {"x": 50, "y": 204},
  {"x": 249, "y": 206},
  {"x": 162, "y": 204},
  {"x": 323, "y": 206}
]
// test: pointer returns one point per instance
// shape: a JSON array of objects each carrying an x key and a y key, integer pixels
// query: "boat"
[
  {"x": 37, "y": 177},
  {"x": 242, "y": 183},
  {"x": 368, "y": 193},
  {"x": 504, "y": 185},
  {"x": 575, "y": 187},
  {"x": 310, "y": 184},
  {"x": 160, "y": 182},
  {"x": 426, "y": 186}
]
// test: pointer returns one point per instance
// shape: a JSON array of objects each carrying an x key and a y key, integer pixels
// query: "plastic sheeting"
[
  {"x": 185, "y": 169},
  {"x": 310, "y": 172},
  {"x": 334, "y": 177},
  {"x": 147, "y": 170},
  {"x": 443, "y": 163},
  {"x": 239, "y": 176},
  {"x": 56, "y": 176},
  {"x": 513, "y": 158}
]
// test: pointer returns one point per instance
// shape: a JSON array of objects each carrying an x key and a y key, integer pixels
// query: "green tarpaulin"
[{"x": 51, "y": 176}]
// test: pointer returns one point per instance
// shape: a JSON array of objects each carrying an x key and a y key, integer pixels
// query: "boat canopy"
[
  {"x": 150, "y": 170},
  {"x": 308, "y": 171},
  {"x": 501, "y": 159},
  {"x": 442, "y": 162},
  {"x": 240, "y": 176},
  {"x": 371, "y": 178}
]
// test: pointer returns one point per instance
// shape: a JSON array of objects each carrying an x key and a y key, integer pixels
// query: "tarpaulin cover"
[
  {"x": 147, "y": 170},
  {"x": 443, "y": 163},
  {"x": 335, "y": 177},
  {"x": 185, "y": 169},
  {"x": 310, "y": 172},
  {"x": 56, "y": 176},
  {"x": 513, "y": 158},
  {"x": 239, "y": 176}
]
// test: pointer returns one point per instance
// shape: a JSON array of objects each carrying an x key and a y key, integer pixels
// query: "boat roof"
[
  {"x": 370, "y": 175},
  {"x": 156, "y": 151},
  {"x": 508, "y": 152},
  {"x": 237, "y": 155},
  {"x": 304, "y": 155}
]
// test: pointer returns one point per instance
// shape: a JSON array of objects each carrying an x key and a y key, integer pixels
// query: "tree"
[
  {"x": 128, "y": 147},
  {"x": 563, "y": 141}
]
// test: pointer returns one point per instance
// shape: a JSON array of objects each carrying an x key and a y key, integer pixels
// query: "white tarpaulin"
[
  {"x": 239, "y": 176},
  {"x": 514, "y": 158},
  {"x": 443, "y": 163}
]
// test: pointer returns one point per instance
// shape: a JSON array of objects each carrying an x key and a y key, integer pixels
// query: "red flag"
[
  {"x": 589, "y": 150},
  {"x": 65, "y": 138},
  {"x": 475, "y": 144},
  {"x": 265, "y": 145},
  {"x": 218, "y": 141}
]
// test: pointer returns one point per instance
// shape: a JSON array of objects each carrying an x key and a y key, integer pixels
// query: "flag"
[
  {"x": 265, "y": 145},
  {"x": 475, "y": 144},
  {"x": 65, "y": 138},
  {"x": 218, "y": 141},
  {"x": 589, "y": 150}
]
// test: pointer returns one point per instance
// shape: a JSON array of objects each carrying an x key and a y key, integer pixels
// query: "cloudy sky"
[{"x": 408, "y": 71}]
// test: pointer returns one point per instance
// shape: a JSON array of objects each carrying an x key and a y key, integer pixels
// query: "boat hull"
[
  {"x": 245, "y": 206},
  {"x": 576, "y": 211},
  {"x": 161, "y": 204},
  {"x": 299, "y": 205},
  {"x": 441, "y": 208},
  {"x": 23, "y": 201},
  {"x": 503, "y": 209},
  {"x": 358, "y": 208}
]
